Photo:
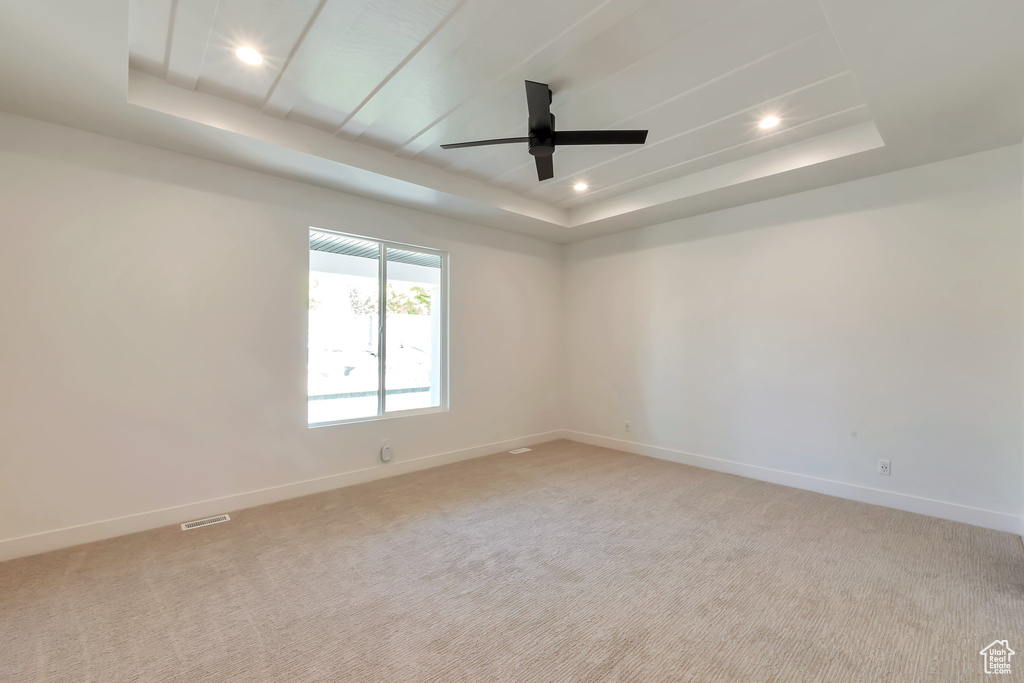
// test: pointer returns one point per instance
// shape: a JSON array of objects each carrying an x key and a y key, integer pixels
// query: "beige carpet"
[{"x": 570, "y": 563}]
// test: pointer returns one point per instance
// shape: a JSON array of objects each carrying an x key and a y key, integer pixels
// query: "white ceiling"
[{"x": 359, "y": 94}]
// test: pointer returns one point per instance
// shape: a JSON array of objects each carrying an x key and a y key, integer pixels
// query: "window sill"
[{"x": 385, "y": 416}]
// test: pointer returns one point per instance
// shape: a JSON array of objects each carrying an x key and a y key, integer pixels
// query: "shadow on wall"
[{"x": 301, "y": 204}]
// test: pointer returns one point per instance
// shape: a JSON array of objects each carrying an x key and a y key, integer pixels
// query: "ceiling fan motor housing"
[
  {"x": 542, "y": 142},
  {"x": 541, "y": 139}
]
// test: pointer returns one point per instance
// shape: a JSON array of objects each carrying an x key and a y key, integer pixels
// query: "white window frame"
[{"x": 382, "y": 293}]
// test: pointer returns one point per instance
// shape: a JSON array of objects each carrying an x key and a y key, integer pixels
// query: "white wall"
[
  {"x": 153, "y": 344},
  {"x": 152, "y": 353},
  {"x": 802, "y": 339}
]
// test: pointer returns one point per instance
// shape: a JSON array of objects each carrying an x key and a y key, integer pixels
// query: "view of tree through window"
[{"x": 345, "y": 328}]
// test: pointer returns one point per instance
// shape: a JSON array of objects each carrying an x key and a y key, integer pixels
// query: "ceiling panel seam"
[
  {"x": 511, "y": 130},
  {"x": 563, "y": 204},
  {"x": 508, "y": 72},
  {"x": 721, "y": 119},
  {"x": 700, "y": 85},
  {"x": 169, "y": 38},
  {"x": 291, "y": 55},
  {"x": 401, "y": 65},
  {"x": 189, "y": 79},
  {"x": 692, "y": 90}
]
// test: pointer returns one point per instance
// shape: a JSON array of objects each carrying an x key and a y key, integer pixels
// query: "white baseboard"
[
  {"x": 33, "y": 544},
  {"x": 989, "y": 519},
  {"x": 46, "y": 541}
]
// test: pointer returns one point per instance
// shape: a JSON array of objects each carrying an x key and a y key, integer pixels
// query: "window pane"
[
  {"x": 344, "y": 376},
  {"x": 413, "y": 331}
]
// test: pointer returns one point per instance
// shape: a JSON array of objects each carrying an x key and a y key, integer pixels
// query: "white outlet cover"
[{"x": 385, "y": 453}]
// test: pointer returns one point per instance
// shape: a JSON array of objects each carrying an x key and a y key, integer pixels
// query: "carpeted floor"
[{"x": 569, "y": 563}]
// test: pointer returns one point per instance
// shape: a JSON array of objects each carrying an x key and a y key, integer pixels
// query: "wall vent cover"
[
  {"x": 521, "y": 450},
  {"x": 205, "y": 522}
]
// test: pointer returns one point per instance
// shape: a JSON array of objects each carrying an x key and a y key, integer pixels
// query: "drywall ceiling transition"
[{"x": 357, "y": 95}]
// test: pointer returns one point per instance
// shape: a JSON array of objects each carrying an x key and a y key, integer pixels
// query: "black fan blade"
[
  {"x": 545, "y": 167},
  {"x": 600, "y": 137},
  {"x": 481, "y": 143},
  {"x": 538, "y": 101}
]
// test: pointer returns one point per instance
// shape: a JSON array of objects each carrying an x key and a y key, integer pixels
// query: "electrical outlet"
[
  {"x": 385, "y": 452},
  {"x": 629, "y": 427},
  {"x": 884, "y": 467}
]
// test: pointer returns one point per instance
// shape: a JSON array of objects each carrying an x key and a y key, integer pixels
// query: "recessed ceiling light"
[
  {"x": 580, "y": 187},
  {"x": 769, "y": 122},
  {"x": 249, "y": 55}
]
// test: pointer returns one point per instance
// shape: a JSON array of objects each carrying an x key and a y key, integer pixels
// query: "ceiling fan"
[{"x": 543, "y": 139}]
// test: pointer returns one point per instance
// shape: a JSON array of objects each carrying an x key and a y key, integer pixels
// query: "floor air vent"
[
  {"x": 521, "y": 450},
  {"x": 205, "y": 522}
]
